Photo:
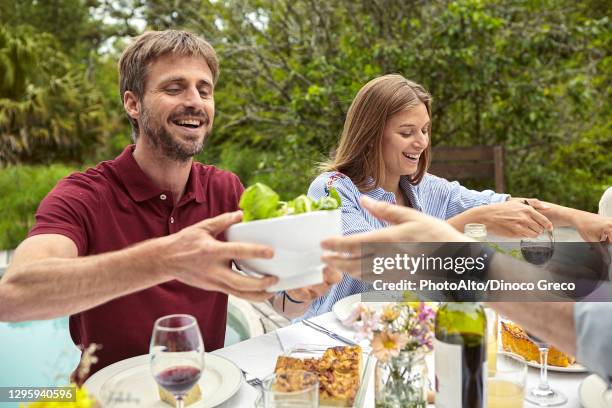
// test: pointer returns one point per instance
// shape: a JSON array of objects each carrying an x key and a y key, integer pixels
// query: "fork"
[{"x": 253, "y": 382}]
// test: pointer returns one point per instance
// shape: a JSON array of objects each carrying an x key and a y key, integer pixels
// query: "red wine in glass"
[
  {"x": 177, "y": 354},
  {"x": 178, "y": 380},
  {"x": 539, "y": 250},
  {"x": 537, "y": 254}
]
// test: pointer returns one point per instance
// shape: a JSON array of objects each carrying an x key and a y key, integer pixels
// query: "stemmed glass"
[
  {"x": 538, "y": 251},
  {"x": 177, "y": 354},
  {"x": 543, "y": 395}
]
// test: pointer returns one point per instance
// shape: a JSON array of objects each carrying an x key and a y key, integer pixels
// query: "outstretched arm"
[{"x": 46, "y": 279}]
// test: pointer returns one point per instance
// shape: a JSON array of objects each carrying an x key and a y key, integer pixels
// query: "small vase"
[{"x": 401, "y": 382}]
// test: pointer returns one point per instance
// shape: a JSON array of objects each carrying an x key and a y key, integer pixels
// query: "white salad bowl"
[{"x": 296, "y": 240}]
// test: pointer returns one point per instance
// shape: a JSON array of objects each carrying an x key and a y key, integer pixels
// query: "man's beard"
[{"x": 160, "y": 138}]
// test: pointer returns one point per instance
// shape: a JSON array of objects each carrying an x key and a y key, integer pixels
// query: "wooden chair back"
[{"x": 474, "y": 162}]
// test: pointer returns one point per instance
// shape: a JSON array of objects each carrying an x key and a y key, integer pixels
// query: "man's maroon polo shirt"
[{"x": 115, "y": 205}]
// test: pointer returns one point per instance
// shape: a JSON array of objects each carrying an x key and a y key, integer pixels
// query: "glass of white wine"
[{"x": 506, "y": 385}]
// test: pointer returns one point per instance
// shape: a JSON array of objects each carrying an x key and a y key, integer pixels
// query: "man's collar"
[
  {"x": 194, "y": 184},
  {"x": 139, "y": 185}
]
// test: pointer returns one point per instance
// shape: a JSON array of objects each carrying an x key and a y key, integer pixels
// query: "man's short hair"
[{"x": 152, "y": 45}]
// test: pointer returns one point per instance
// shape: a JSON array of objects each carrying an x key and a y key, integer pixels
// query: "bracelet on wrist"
[{"x": 289, "y": 298}]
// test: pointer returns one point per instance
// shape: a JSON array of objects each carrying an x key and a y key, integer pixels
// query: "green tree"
[
  {"x": 531, "y": 75},
  {"x": 24, "y": 187},
  {"x": 49, "y": 110}
]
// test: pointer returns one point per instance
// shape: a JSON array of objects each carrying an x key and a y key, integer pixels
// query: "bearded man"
[{"x": 140, "y": 236}]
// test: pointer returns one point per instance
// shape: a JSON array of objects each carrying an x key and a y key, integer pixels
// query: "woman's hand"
[
  {"x": 512, "y": 218},
  {"x": 592, "y": 227}
]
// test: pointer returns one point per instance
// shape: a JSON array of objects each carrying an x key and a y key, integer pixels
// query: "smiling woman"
[{"x": 384, "y": 152}]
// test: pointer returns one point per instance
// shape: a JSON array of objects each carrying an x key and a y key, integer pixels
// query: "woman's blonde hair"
[{"x": 359, "y": 152}]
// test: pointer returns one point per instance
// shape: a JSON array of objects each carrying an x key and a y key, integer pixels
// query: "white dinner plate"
[
  {"x": 129, "y": 383},
  {"x": 574, "y": 368},
  {"x": 342, "y": 308},
  {"x": 593, "y": 393}
]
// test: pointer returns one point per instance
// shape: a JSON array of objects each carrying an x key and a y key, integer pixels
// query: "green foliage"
[
  {"x": 76, "y": 24},
  {"x": 49, "y": 110},
  {"x": 533, "y": 75},
  {"x": 23, "y": 188}
]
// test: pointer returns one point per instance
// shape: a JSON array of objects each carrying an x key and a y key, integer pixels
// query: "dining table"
[{"x": 257, "y": 357}]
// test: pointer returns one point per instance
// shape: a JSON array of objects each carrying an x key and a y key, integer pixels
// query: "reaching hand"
[
  {"x": 593, "y": 227},
  {"x": 195, "y": 257},
  {"x": 407, "y": 225},
  {"x": 514, "y": 218}
]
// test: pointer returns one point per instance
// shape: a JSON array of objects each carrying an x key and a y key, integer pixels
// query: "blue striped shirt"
[{"x": 433, "y": 195}]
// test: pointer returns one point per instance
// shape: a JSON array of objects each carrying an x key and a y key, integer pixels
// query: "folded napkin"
[
  {"x": 299, "y": 333},
  {"x": 258, "y": 359}
]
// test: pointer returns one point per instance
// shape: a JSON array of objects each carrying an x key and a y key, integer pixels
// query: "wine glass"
[
  {"x": 543, "y": 395},
  {"x": 539, "y": 250},
  {"x": 177, "y": 354}
]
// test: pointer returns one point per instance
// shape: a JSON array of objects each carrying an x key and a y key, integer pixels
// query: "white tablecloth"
[{"x": 257, "y": 356}]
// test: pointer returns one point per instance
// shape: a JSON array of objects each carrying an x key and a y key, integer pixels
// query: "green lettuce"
[{"x": 259, "y": 202}]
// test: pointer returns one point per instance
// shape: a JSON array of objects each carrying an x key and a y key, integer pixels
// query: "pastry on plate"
[
  {"x": 515, "y": 340},
  {"x": 338, "y": 370}
]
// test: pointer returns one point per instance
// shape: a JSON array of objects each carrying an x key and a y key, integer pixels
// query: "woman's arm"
[
  {"x": 592, "y": 227},
  {"x": 460, "y": 206}
]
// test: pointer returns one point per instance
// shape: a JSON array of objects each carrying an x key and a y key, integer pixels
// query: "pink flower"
[
  {"x": 357, "y": 314},
  {"x": 387, "y": 344},
  {"x": 363, "y": 320}
]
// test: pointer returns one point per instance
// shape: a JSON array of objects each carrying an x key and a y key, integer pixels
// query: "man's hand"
[
  {"x": 408, "y": 225},
  {"x": 310, "y": 293},
  {"x": 593, "y": 227},
  {"x": 195, "y": 257}
]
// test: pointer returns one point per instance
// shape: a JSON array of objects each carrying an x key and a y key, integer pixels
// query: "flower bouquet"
[{"x": 400, "y": 335}]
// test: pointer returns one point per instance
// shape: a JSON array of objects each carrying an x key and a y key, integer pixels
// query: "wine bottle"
[{"x": 460, "y": 350}]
